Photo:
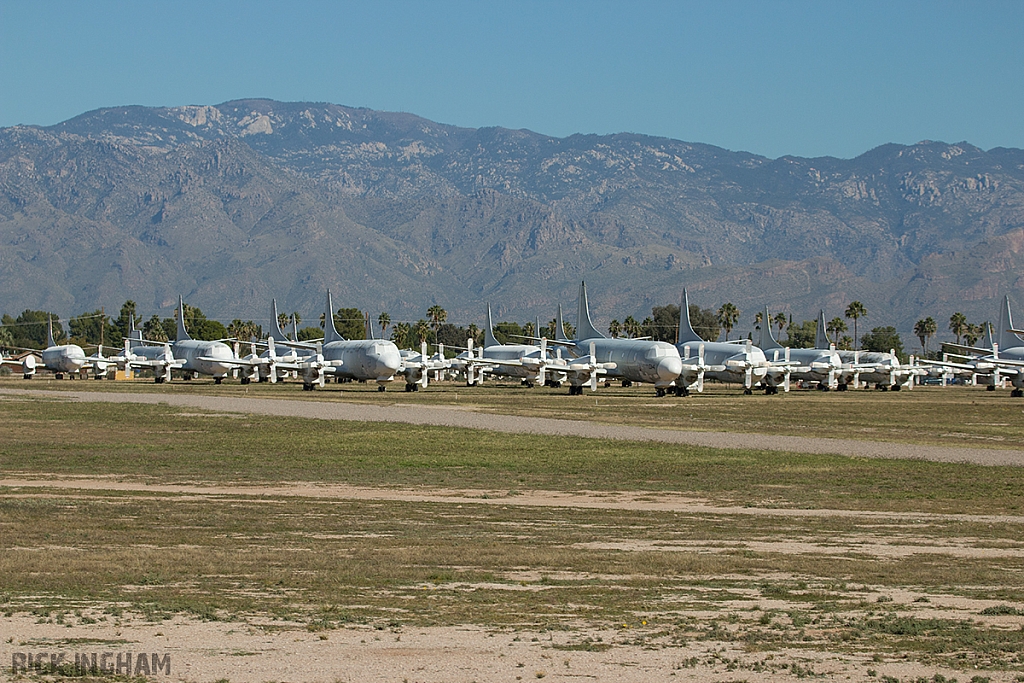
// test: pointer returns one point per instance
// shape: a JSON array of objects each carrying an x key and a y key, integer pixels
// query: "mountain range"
[{"x": 233, "y": 204}]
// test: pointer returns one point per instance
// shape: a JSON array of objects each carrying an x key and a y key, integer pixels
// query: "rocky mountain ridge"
[{"x": 233, "y": 204}]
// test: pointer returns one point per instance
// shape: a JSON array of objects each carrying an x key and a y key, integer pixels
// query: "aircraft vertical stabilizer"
[
  {"x": 330, "y": 331},
  {"x": 295, "y": 328},
  {"x": 988, "y": 333},
  {"x": 182, "y": 332},
  {"x": 767, "y": 340},
  {"x": 369, "y": 333},
  {"x": 49, "y": 331},
  {"x": 584, "y": 326},
  {"x": 1006, "y": 339},
  {"x": 560, "y": 326},
  {"x": 489, "y": 338},
  {"x": 275, "y": 330},
  {"x": 686, "y": 333},
  {"x": 821, "y": 340}
]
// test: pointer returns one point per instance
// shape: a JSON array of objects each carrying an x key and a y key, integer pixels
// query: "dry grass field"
[{"x": 258, "y": 548}]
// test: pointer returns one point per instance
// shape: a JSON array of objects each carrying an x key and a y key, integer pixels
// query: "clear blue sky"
[{"x": 774, "y": 78}]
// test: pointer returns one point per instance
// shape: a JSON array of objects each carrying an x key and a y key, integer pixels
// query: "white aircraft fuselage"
[
  {"x": 68, "y": 358},
  {"x": 636, "y": 360},
  {"x": 735, "y": 358},
  {"x": 363, "y": 359}
]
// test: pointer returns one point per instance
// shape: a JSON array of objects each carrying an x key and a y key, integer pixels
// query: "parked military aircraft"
[
  {"x": 634, "y": 360},
  {"x": 821, "y": 365},
  {"x": 65, "y": 358},
  {"x": 526, "y": 362},
  {"x": 375, "y": 360},
  {"x": 734, "y": 363},
  {"x": 1004, "y": 358},
  {"x": 194, "y": 356}
]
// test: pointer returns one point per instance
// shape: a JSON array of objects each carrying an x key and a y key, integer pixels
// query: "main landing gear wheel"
[
  {"x": 896, "y": 387},
  {"x": 748, "y": 391},
  {"x": 382, "y": 388},
  {"x": 575, "y": 391},
  {"x": 60, "y": 375},
  {"x": 990, "y": 387},
  {"x": 770, "y": 390},
  {"x": 218, "y": 380},
  {"x": 245, "y": 380},
  {"x": 159, "y": 379},
  {"x": 1017, "y": 393},
  {"x": 843, "y": 387},
  {"x": 682, "y": 391},
  {"x": 659, "y": 392}
]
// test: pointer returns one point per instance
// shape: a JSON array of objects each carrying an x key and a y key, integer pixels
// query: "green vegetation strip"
[{"x": 166, "y": 445}]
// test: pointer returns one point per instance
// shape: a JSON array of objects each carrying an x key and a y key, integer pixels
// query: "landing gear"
[
  {"x": 382, "y": 388},
  {"x": 159, "y": 379},
  {"x": 218, "y": 380},
  {"x": 307, "y": 387},
  {"x": 26, "y": 376},
  {"x": 408, "y": 387},
  {"x": 575, "y": 391},
  {"x": 1017, "y": 393},
  {"x": 627, "y": 383},
  {"x": 843, "y": 387},
  {"x": 60, "y": 375},
  {"x": 896, "y": 387},
  {"x": 990, "y": 387},
  {"x": 748, "y": 391},
  {"x": 770, "y": 390},
  {"x": 245, "y": 380},
  {"x": 682, "y": 391},
  {"x": 659, "y": 392}
]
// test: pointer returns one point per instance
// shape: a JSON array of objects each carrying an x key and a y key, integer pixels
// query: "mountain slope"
[{"x": 234, "y": 204}]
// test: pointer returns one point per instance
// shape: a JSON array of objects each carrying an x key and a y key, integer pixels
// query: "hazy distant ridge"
[{"x": 233, "y": 204}]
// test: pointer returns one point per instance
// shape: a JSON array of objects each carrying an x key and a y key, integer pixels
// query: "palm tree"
[
  {"x": 422, "y": 330},
  {"x": 958, "y": 325},
  {"x": 400, "y": 333},
  {"x": 615, "y": 329},
  {"x": 836, "y": 326},
  {"x": 924, "y": 329},
  {"x": 631, "y": 327},
  {"x": 780, "y": 322},
  {"x": 972, "y": 333},
  {"x": 728, "y": 316},
  {"x": 475, "y": 334},
  {"x": 528, "y": 329},
  {"x": 437, "y": 316},
  {"x": 384, "y": 320},
  {"x": 855, "y": 311}
]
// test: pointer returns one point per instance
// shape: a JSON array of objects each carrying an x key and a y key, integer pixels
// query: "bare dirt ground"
[
  {"x": 253, "y": 651},
  {"x": 453, "y": 416}
]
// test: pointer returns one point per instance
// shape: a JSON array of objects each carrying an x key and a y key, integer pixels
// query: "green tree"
[
  {"x": 197, "y": 325},
  {"x": 855, "y": 311},
  {"x": 384, "y": 320},
  {"x": 883, "y": 339},
  {"x": 631, "y": 327},
  {"x": 728, "y": 316},
  {"x": 802, "y": 336},
  {"x": 95, "y": 328},
  {"x": 6, "y": 338},
  {"x": 972, "y": 333},
  {"x": 835, "y": 327},
  {"x": 400, "y": 334},
  {"x": 310, "y": 334},
  {"x": 154, "y": 330},
  {"x": 437, "y": 316},
  {"x": 780, "y": 322},
  {"x": 925, "y": 329},
  {"x": 958, "y": 325},
  {"x": 350, "y": 323},
  {"x": 127, "y": 318},
  {"x": 615, "y": 328},
  {"x": 28, "y": 330},
  {"x": 508, "y": 333},
  {"x": 421, "y": 331},
  {"x": 475, "y": 333},
  {"x": 244, "y": 331}
]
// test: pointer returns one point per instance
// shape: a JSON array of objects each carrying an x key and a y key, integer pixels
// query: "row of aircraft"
[{"x": 586, "y": 361}]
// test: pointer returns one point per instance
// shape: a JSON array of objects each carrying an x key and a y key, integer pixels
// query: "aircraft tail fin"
[
  {"x": 295, "y": 328},
  {"x": 767, "y": 340},
  {"x": 275, "y": 325},
  {"x": 821, "y": 340},
  {"x": 488, "y": 332},
  {"x": 584, "y": 326},
  {"x": 988, "y": 333},
  {"x": 330, "y": 331},
  {"x": 182, "y": 332},
  {"x": 370, "y": 334},
  {"x": 686, "y": 332},
  {"x": 1006, "y": 339},
  {"x": 49, "y": 331},
  {"x": 560, "y": 326}
]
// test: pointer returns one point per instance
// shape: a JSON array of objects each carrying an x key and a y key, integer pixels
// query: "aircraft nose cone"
[
  {"x": 388, "y": 362},
  {"x": 669, "y": 368}
]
